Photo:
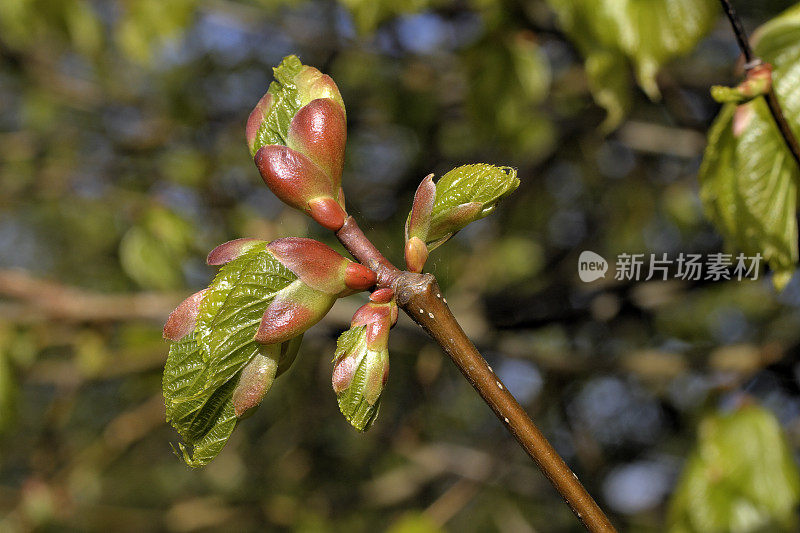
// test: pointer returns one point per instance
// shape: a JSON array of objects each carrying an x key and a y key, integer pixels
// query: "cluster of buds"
[
  {"x": 463, "y": 195},
  {"x": 361, "y": 365},
  {"x": 322, "y": 276},
  {"x": 297, "y": 134}
]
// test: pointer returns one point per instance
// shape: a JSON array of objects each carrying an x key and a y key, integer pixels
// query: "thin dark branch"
[
  {"x": 738, "y": 30},
  {"x": 771, "y": 98},
  {"x": 421, "y": 298}
]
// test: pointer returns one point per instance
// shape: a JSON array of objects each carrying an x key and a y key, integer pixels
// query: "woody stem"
[{"x": 421, "y": 298}]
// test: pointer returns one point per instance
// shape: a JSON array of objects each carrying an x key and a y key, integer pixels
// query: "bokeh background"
[{"x": 122, "y": 162}]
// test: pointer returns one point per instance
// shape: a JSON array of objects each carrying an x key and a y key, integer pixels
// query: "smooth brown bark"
[{"x": 421, "y": 298}]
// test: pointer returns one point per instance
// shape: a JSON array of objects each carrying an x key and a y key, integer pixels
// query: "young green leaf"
[
  {"x": 463, "y": 195},
  {"x": 273, "y": 128},
  {"x": 353, "y": 366},
  {"x": 742, "y": 476},
  {"x": 647, "y": 33},
  {"x": 748, "y": 178},
  {"x": 232, "y": 311},
  {"x": 361, "y": 362}
]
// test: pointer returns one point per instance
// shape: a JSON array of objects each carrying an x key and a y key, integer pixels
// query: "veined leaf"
[
  {"x": 203, "y": 368},
  {"x": 359, "y": 363},
  {"x": 748, "y": 177},
  {"x": 232, "y": 309},
  {"x": 275, "y": 126},
  {"x": 465, "y": 194},
  {"x": 648, "y": 33},
  {"x": 741, "y": 477}
]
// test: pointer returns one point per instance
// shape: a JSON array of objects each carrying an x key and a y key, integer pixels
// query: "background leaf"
[
  {"x": 741, "y": 477},
  {"x": 648, "y": 33},
  {"x": 748, "y": 177}
]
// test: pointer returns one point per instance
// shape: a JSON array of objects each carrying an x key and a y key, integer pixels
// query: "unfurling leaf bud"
[
  {"x": 255, "y": 381},
  {"x": 297, "y": 133},
  {"x": 757, "y": 83},
  {"x": 301, "y": 184},
  {"x": 322, "y": 276},
  {"x": 321, "y": 267},
  {"x": 361, "y": 364},
  {"x": 463, "y": 195}
]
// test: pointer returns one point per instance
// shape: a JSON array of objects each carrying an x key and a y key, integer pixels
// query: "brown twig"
[
  {"x": 421, "y": 298},
  {"x": 61, "y": 302},
  {"x": 751, "y": 60}
]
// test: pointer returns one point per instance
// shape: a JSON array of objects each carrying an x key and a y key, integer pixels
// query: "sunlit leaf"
[
  {"x": 648, "y": 33},
  {"x": 741, "y": 477},
  {"x": 748, "y": 177},
  {"x": 203, "y": 368},
  {"x": 465, "y": 194}
]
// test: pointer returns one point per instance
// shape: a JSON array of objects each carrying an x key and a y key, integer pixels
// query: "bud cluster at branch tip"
[
  {"x": 322, "y": 276},
  {"x": 757, "y": 83},
  {"x": 361, "y": 364},
  {"x": 297, "y": 134}
]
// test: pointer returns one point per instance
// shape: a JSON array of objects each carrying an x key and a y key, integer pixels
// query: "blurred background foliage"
[{"x": 122, "y": 162}]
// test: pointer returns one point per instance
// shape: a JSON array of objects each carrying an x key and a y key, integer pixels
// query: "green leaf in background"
[
  {"x": 368, "y": 14},
  {"x": 741, "y": 477},
  {"x": 152, "y": 251},
  {"x": 149, "y": 23},
  {"x": 748, "y": 178},
  {"x": 648, "y": 33},
  {"x": 466, "y": 194},
  {"x": 414, "y": 522},
  {"x": 8, "y": 392},
  {"x": 610, "y": 90},
  {"x": 513, "y": 73}
]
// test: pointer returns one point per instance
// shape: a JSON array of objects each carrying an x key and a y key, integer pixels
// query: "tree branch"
[
  {"x": 772, "y": 100},
  {"x": 421, "y": 298}
]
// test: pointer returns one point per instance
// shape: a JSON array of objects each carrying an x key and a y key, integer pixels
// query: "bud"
[
  {"x": 361, "y": 364},
  {"x": 301, "y": 184},
  {"x": 255, "y": 381},
  {"x": 256, "y": 118},
  {"x": 322, "y": 276},
  {"x": 416, "y": 253},
  {"x": 227, "y": 252},
  {"x": 297, "y": 133},
  {"x": 294, "y": 309},
  {"x": 757, "y": 83},
  {"x": 319, "y": 131},
  {"x": 321, "y": 267},
  {"x": 182, "y": 320},
  {"x": 418, "y": 225}
]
